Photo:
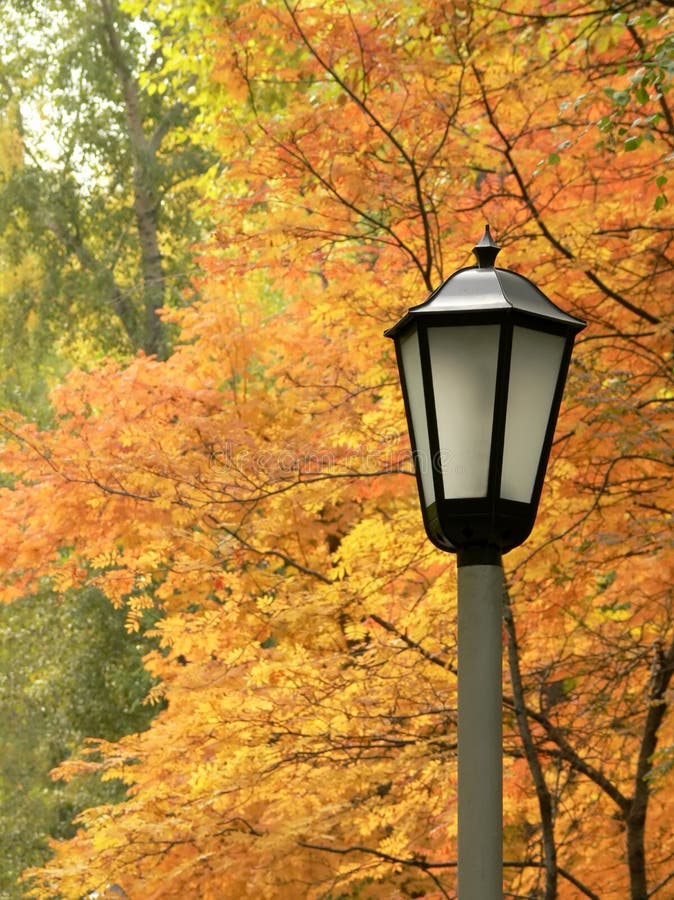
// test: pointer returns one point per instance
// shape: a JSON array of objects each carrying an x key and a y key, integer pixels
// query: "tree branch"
[
  {"x": 417, "y": 176},
  {"x": 536, "y": 214}
]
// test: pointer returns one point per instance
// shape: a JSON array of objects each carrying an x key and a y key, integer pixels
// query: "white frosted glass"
[
  {"x": 534, "y": 370},
  {"x": 463, "y": 362},
  {"x": 409, "y": 349}
]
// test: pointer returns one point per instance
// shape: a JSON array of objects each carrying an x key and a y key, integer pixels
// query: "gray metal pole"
[{"x": 480, "y": 598}]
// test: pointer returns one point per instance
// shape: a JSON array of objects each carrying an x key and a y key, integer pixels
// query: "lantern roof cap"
[
  {"x": 486, "y": 288},
  {"x": 486, "y": 250}
]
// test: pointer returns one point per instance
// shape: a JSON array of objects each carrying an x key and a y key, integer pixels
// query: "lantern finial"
[{"x": 486, "y": 250}]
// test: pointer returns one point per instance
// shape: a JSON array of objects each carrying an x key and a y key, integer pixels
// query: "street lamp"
[{"x": 482, "y": 362}]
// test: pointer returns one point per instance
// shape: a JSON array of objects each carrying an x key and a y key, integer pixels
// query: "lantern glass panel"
[
  {"x": 534, "y": 371},
  {"x": 464, "y": 363},
  {"x": 411, "y": 361}
]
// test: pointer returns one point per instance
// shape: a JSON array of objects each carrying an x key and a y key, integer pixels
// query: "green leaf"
[
  {"x": 620, "y": 98},
  {"x": 641, "y": 94}
]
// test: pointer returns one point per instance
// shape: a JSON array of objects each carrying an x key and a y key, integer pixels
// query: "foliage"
[
  {"x": 29, "y": 363},
  {"x": 71, "y": 246},
  {"x": 67, "y": 669},
  {"x": 101, "y": 188},
  {"x": 257, "y": 483}
]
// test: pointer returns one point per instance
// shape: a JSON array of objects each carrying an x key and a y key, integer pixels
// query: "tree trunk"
[
  {"x": 661, "y": 675},
  {"x": 145, "y": 202},
  {"x": 545, "y": 803}
]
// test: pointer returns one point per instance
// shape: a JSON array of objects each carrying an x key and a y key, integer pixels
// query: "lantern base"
[{"x": 478, "y": 524}]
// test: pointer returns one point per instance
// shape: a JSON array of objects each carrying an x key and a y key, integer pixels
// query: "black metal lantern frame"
[{"x": 492, "y": 333}]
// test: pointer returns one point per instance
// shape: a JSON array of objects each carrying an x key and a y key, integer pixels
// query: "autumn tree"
[{"x": 257, "y": 485}]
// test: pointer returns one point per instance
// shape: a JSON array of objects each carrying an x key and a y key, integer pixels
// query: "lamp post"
[{"x": 482, "y": 362}]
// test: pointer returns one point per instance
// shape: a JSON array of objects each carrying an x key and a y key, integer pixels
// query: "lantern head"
[{"x": 482, "y": 362}]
